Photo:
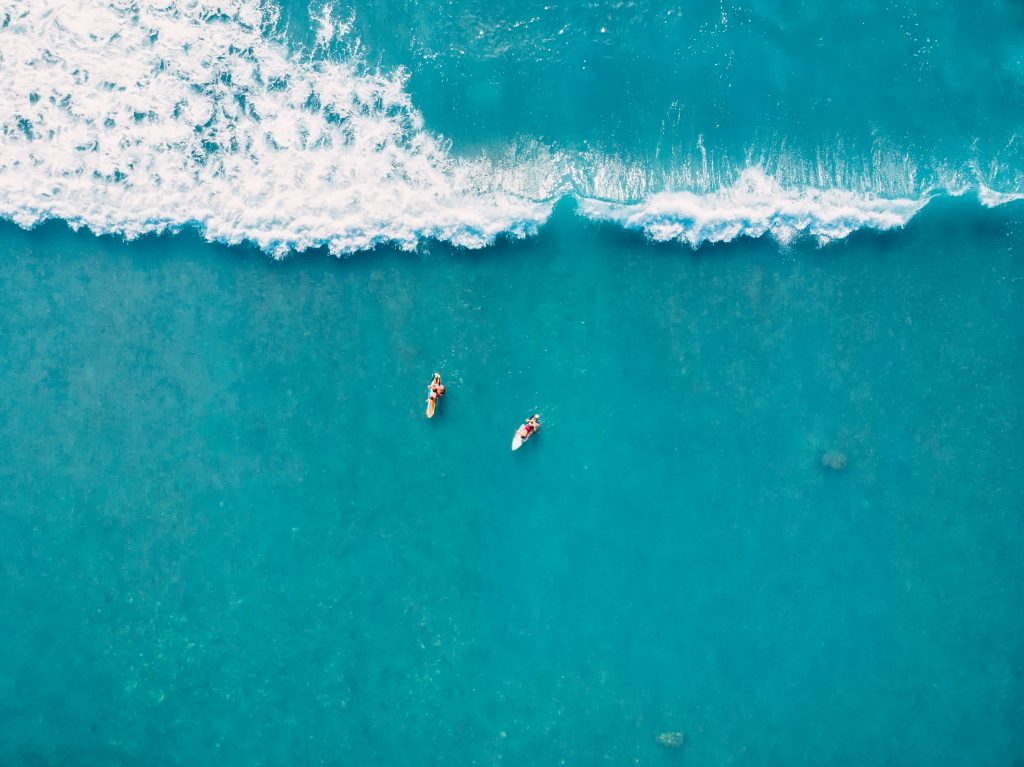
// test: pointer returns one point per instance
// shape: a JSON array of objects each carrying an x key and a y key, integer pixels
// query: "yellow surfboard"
[{"x": 432, "y": 401}]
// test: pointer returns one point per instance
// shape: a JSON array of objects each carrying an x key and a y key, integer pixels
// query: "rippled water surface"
[{"x": 757, "y": 266}]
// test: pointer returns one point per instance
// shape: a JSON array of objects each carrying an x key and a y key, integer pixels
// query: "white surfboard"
[{"x": 517, "y": 441}]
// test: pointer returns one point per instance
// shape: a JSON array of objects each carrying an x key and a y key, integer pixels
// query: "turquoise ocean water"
[{"x": 759, "y": 266}]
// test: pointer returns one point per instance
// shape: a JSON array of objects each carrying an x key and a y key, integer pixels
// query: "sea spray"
[
  {"x": 134, "y": 118},
  {"x": 755, "y": 205}
]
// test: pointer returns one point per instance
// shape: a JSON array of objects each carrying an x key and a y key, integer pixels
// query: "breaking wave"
[
  {"x": 132, "y": 116},
  {"x": 753, "y": 206}
]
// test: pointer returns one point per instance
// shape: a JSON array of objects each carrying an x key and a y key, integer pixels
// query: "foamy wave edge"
[
  {"x": 139, "y": 117},
  {"x": 990, "y": 198},
  {"x": 131, "y": 118},
  {"x": 756, "y": 205}
]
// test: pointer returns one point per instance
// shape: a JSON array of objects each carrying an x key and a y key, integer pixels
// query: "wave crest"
[
  {"x": 141, "y": 116},
  {"x": 753, "y": 206},
  {"x": 147, "y": 116}
]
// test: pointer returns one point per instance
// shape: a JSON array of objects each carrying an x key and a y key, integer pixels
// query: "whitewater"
[{"x": 131, "y": 118}]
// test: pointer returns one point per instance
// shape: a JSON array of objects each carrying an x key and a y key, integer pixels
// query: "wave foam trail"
[
  {"x": 136, "y": 117},
  {"x": 990, "y": 198},
  {"x": 755, "y": 205}
]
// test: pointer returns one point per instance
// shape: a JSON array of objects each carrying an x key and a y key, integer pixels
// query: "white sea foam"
[
  {"x": 990, "y": 198},
  {"x": 135, "y": 117},
  {"x": 753, "y": 206},
  {"x": 138, "y": 116}
]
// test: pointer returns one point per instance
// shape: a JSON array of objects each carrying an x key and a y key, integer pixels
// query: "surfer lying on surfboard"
[
  {"x": 526, "y": 431},
  {"x": 530, "y": 426},
  {"x": 434, "y": 392}
]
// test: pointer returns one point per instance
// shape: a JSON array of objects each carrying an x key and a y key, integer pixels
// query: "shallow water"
[{"x": 231, "y": 536}]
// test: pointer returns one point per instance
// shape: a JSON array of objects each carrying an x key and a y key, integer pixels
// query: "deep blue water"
[{"x": 777, "y": 501}]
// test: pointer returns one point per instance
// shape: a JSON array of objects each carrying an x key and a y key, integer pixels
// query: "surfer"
[
  {"x": 528, "y": 428},
  {"x": 436, "y": 389},
  {"x": 434, "y": 392}
]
